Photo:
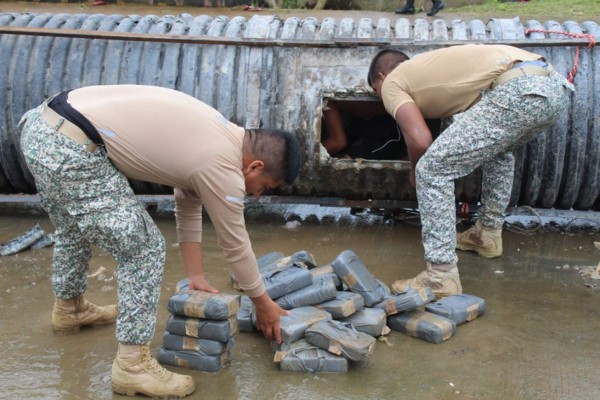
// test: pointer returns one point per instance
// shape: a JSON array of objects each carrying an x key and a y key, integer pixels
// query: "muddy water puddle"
[{"x": 536, "y": 340}]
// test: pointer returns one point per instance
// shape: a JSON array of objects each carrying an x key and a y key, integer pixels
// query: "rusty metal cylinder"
[{"x": 267, "y": 72}]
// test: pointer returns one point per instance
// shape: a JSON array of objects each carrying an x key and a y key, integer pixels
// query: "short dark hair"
[
  {"x": 385, "y": 61},
  {"x": 279, "y": 150}
]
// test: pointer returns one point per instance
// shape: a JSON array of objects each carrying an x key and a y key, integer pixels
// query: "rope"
[{"x": 591, "y": 43}]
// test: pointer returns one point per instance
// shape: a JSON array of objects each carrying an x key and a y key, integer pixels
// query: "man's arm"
[
  {"x": 191, "y": 252},
  {"x": 416, "y": 134},
  {"x": 336, "y": 140}
]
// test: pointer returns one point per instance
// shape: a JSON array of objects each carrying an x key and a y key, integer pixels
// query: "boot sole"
[
  {"x": 480, "y": 251},
  {"x": 77, "y": 328},
  {"x": 132, "y": 392}
]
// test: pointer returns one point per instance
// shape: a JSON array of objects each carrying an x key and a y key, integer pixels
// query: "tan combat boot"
[
  {"x": 70, "y": 315},
  {"x": 136, "y": 371},
  {"x": 486, "y": 242},
  {"x": 443, "y": 279}
]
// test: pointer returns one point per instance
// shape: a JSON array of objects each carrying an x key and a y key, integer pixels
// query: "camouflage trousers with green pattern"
[
  {"x": 90, "y": 202},
  {"x": 484, "y": 136}
]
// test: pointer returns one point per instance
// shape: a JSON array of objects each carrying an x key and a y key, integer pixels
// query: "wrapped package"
[
  {"x": 294, "y": 325},
  {"x": 357, "y": 277},
  {"x": 460, "y": 308},
  {"x": 201, "y": 304},
  {"x": 244, "y": 315},
  {"x": 341, "y": 339},
  {"x": 326, "y": 272},
  {"x": 301, "y": 259},
  {"x": 279, "y": 282},
  {"x": 344, "y": 304},
  {"x": 194, "y": 360},
  {"x": 302, "y": 356},
  {"x": 422, "y": 324},
  {"x": 219, "y": 330},
  {"x": 203, "y": 347},
  {"x": 316, "y": 293},
  {"x": 409, "y": 300},
  {"x": 262, "y": 262},
  {"x": 372, "y": 321}
]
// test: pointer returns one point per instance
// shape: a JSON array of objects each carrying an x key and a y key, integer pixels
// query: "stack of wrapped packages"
[
  {"x": 200, "y": 329},
  {"x": 338, "y": 311}
]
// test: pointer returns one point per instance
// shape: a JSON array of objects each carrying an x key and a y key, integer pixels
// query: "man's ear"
[{"x": 256, "y": 166}]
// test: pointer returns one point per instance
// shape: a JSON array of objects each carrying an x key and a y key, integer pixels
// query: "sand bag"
[
  {"x": 316, "y": 293},
  {"x": 422, "y": 324},
  {"x": 372, "y": 321},
  {"x": 325, "y": 272},
  {"x": 460, "y": 308},
  {"x": 294, "y": 325},
  {"x": 244, "y": 315},
  {"x": 193, "y": 360},
  {"x": 344, "y": 304},
  {"x": 203, "y": 347},
  {"x": 357, "y": 277},
  {"x": 341, "y": 339},
  {"x": 409, "y": 300},
  {"x": 200, "y": 304},
  {"x": 302, "y": 356},
  {"x": 279, "y": 282},
  {"x": 202, "y": 328}
]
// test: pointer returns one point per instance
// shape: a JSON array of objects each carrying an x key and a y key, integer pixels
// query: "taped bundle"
[
  {"x": 357, "y": 277},
  {"x": 294, "y": 325},
  {"x": 344, "y": 304},
  {"x": 279, "y": 282},
  {"x": 341, "y": 339},
  {"x": 409, "y": 300},
  {"x": 422, "y": 324},
  {"x": 262, "y": 262},
  {"x": 244, "y": 315},
  {"x": 204, "y": 347},
  {"x": 201, "y": 304},
  {"x": 460, "y": 308},
  {"x": 372, "y": 321},
  {"x": 302, "y": 356},
  {"x": 310, "y": 295},
  {"x": 193, "y": 360},
  {"x": 202, "y": 328},
  {"x": 325, "y": 272}
]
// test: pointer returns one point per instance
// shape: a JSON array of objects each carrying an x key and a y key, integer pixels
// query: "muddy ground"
[{"x": 536, "y": 340}]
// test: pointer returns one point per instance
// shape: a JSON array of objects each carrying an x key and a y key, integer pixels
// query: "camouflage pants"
[
  {"x": 91, "y": 203},
  {"x": 485, "y": 135}
]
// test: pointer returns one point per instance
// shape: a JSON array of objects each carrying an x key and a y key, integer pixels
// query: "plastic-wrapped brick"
[
  {"x": 294, "y": 325},
  {"x": 279, "y": 282},
  {"x": 316, "y": 293},
  {"x": 459, "y": 307},
  {"x": 301, "y": 259},
  {"x": 341, "y": 339},
  {"x": 372, "y": 321},
  {"x": 219, "y": 330},
  {"x": 203, "y": 347},
  {"x": 302, "y": 356},
  {"x": 422, "y": 324},
  {"x": 201, "y": 304},
  {"x": 193, "y": 360},
  {"x": 349, "y": 267},
  {"x": 244, "y": 315},
  {"x": 409, "y": 300},
  {"x": 262, "y": 262},
  {"x": 344, "y": 304},
  {"x": 325, "y": 272}
]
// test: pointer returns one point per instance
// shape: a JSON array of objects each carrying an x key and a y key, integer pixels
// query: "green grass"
[{"x": 577, "y": 10}]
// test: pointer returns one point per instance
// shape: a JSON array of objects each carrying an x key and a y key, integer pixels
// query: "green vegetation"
[{"x": 577, "y": 10}]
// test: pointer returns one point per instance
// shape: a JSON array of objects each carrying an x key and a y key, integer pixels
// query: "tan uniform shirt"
[
  {"x": 159, "y": 135},
  {"x": 448, "y": 81}
]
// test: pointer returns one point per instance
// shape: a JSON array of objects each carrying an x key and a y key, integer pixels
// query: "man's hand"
[
  {"x": 267, "y": 316},
  {"x": 199, "y": 282}
]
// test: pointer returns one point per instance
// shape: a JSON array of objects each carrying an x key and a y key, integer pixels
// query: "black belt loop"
[{"x": 62, "y": 107}]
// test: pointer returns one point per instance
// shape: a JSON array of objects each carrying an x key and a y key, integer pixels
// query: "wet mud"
[{"x": 536, "y": 340}]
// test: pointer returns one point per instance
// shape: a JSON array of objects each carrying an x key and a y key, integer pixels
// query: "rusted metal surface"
[{"x": 264, "y": 71}]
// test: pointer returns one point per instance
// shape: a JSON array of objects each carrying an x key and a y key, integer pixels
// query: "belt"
[
  {"x": 67, "y": 128},
  {"x": 517, "y": 71}
]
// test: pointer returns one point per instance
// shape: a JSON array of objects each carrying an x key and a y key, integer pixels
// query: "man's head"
[
  {"x": 271, "y": 158},
  {"x": 383, "y": 63}
]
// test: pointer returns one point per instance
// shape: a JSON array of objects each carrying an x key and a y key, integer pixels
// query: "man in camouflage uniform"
[
  {"x": 82, "y": 146},
  {"x": 500, "y": 97}
]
